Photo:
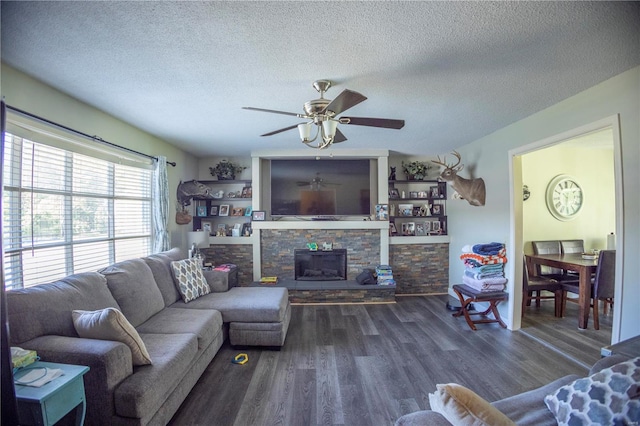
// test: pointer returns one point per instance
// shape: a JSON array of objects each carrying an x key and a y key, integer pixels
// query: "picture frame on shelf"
[
  {"x": 221, "y": 230},
  {"x": 382, "y": 211},
  {"x": 436, "y": 209},
  {"x": 405, "y": 210},
  {"x": 435, "y": 227},
  {"x": 413, "y": 194},
  {"x": 427, "y": 227},
  {"x": 214, "y": 210},
  {"x": 246, "y": 192},
  {"x": 409, "y": 229},
  {"x": 434, "y": 191},
  {"x": 248, "y": 211},
  {"x": 237, "y": 211},
  {"x": 207, "y": 227},
  {"x": 420, "y": 231},
  {"x": 392, "y": 229},
  {"x": 201, "y": 211},
  {"x": 423, "y": 194},
  {"x": 246, "y": 229},
  {"x": 394, "y": 194},
  {"x": 416, "y": 210},
  {"x": 259, "y": 215},
  {"x": 224, "y": 210}
]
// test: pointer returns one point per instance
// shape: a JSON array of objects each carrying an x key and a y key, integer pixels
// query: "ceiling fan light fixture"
[
  {"x": 329, "y": 130},
  {"x": 305, "y": 132}
]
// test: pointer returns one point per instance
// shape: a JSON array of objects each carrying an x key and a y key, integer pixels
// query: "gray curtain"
[{"x": 160, "y": 206}]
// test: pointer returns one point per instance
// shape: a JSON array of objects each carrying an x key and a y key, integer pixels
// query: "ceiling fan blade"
[
  {"x": 344, "y": 101},
  {"x": 387, "y": 123},
  {"x": 280, "y": 130},
  {"x": 274, "y": 111},
  {"x": 339, "y": 137}
]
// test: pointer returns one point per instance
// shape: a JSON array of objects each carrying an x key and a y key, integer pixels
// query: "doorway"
[{"x": 591, "y": 154}]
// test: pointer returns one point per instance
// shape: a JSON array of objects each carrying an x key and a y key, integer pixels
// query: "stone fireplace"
[
  {"x": 278, "y": 246},
  {"x": 320, "y": 265}
]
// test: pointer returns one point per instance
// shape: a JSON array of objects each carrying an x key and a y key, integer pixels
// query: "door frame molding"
[{"x": 516, "y": 205}]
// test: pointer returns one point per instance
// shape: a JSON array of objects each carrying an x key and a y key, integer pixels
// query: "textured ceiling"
[{"x": 455, "y": 71}]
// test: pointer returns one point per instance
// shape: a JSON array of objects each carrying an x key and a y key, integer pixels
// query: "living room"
[{"x": 611, "y": 102}]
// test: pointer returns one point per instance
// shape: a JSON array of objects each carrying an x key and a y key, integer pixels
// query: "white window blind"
[{"x": 65, "y": 212}]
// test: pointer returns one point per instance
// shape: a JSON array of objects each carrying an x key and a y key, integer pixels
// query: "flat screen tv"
[{"x": 320, "y": 188}]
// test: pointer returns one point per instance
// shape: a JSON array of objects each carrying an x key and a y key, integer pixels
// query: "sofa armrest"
[
  {"x": 607, "y": 362},
  {"x": 109, "y": 364},
  {"x": 109, "y": 359}
]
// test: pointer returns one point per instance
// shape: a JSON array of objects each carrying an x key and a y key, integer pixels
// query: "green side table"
[{"x": 49, "y": 403}]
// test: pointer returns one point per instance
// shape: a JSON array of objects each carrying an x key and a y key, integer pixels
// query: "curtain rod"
[{"x": 93, "y": 138}]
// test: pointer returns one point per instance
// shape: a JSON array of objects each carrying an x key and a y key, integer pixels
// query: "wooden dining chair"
[
  {"x": 572, "y": 246},
  {"x": 602, "y": 286},
  {"x": 548, "y": 247},
  {"x": 533, "y": 288}
]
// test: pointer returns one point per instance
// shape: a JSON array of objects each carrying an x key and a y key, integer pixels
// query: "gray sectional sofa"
[
  {"x": 529, "y": 408},
  {"x": 181, "y": 338}
]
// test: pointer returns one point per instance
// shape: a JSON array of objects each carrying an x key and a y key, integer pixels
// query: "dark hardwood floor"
[
  {"x": 370, "y": 364},
  {"x": 563, "y": 334}
]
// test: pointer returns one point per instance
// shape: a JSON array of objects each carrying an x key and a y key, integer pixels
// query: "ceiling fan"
[
  {"x": 317, "y": 183},
  {"x": 322, "y": 113}
]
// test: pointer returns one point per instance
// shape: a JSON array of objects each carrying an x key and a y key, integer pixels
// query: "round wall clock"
[{"x": 564, "y": 197}]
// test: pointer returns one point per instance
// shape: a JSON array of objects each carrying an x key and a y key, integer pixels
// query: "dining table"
[{"x": 584, "y": 266}]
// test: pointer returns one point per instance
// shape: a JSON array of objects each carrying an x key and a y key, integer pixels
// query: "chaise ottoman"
[{"x": 256, "y": 316}]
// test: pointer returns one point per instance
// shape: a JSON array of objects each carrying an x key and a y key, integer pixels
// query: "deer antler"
[{"x": 448, "y": 166}]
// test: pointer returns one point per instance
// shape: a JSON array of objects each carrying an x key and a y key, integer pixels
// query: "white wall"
[
  {"x": 25, "y": 93},
  {"x": 592, "y": 167},
  {"x": 490, "y": 155}
]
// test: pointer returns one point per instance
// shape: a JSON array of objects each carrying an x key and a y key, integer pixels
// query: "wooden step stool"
[{"x": 473, "y": 295}]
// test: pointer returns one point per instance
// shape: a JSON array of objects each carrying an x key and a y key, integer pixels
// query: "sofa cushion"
[
  {"x": 462, "y": 406},
  {"x": 144, "y": 392},
  {"x": 132, "y": 285},
  {"x": 189, "y": 279},
  {"x": 160, "y": 265},
  {"x": 245, "y": 304},
  {"x": 110, "y": 324},
  {"x": 610, "y": 396},
  {"x": 205, "y": 324},
  {"x": 46, "y": 309}
]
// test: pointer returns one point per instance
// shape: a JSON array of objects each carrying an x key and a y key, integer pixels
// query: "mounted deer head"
[{"x": 471, "y": 190}]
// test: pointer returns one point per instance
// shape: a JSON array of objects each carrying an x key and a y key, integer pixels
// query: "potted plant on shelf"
[
  {"x": 415, "y": 170},
  {"x": 226, "y": 170}
]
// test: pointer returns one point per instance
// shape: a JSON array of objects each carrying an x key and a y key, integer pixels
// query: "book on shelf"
[{"x": 268, "y": 280}]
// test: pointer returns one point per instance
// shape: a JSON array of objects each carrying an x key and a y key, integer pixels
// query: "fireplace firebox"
[{"x": 320, "y": 265}]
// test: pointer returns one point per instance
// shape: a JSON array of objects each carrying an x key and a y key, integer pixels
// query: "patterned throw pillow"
[
  {"x": 608, "y": 397},
  {"x": 189, "y": 278}
]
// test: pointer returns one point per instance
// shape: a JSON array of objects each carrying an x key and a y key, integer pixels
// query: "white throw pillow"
[
  {"x": 111, "y": 324},
  {"x": 190, "y": 279}
]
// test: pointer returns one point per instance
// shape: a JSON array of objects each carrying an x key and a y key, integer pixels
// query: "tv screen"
[{"x": 317, "y": 188}]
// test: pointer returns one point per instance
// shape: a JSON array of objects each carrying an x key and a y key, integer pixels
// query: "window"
[{"x": 67, "y": 212}]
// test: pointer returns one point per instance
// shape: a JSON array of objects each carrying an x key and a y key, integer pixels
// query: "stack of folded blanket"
[{"x": 484, "y": 266}]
